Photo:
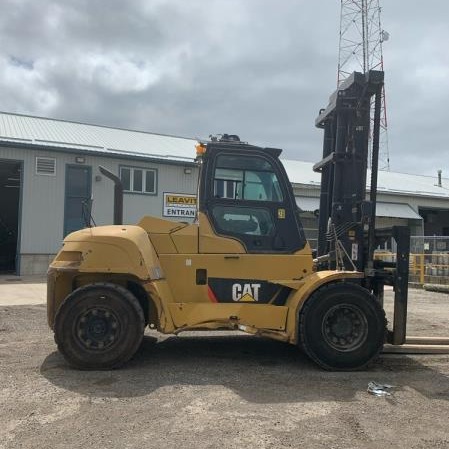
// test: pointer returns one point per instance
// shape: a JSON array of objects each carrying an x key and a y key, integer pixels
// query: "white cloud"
[
  {"x": 116, "y": 72},
  {"x": 25, "y": 87}
]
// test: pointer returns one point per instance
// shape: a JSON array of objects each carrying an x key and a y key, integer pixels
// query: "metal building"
[{"x": 50, "y": 185}]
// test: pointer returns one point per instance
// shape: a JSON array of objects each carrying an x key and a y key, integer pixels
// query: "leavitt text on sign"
[{"x": 179, "y": 205}]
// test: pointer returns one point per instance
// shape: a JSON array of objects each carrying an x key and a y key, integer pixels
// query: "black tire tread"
[
  {"x": 127, "y": 295},
  {"x": 302, "y": 338}
]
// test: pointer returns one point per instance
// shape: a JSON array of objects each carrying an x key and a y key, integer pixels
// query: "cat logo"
[{"x": 245, "y": 292}]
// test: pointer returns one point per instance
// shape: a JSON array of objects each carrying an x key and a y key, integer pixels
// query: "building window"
[
  {"x": 138, "y": 180},
  {"x": 225, "y": 188},
  {"x": 252, "y": 179}
]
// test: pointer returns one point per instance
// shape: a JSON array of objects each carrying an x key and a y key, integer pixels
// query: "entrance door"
[
  {"x": 77, "y": 198},
  {"x": 10, "y": 195}
]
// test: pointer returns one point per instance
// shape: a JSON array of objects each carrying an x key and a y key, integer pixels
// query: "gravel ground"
[{"x": 218, "y": 390}]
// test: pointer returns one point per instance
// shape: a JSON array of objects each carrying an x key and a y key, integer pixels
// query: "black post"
[
  {"x": 374, "y": 173},
  {"x": 118, "y": 195},
  {"x": 402, "y": 236},
  {"x": 327, "y": 181}
]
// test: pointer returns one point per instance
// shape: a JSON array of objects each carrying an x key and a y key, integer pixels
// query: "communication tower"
[{"x": 360, "y": 49}]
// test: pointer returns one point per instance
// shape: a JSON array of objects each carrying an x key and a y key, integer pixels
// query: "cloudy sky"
[{"x": 258, "y": 68}]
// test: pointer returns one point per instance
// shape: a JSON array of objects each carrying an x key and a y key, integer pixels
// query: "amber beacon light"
[{"x": 200, "y": 149}]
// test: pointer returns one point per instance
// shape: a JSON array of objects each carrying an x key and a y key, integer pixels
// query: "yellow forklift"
[{"x": 244, "y": 264}]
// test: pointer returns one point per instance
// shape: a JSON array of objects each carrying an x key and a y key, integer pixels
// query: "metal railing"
[
  {"x": 429, "y": 259},
  {"x": 429, "y": 244}
]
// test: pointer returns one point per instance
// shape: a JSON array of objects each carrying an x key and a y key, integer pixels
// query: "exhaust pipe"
[{"x": 118, "y": 194}]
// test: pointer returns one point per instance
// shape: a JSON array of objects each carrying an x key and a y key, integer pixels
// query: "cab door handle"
[{"x": 232, "y": 257}]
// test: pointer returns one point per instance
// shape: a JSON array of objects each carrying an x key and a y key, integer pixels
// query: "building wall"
[{"x": 42, "y": 208}]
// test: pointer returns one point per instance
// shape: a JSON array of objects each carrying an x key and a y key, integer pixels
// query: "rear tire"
[
  {"x": 99, "y": 327},
  {"x": 342, "y": 327}
]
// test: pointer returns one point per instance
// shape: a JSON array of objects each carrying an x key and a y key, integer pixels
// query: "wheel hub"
[
  {"x": 97, "y": 328},
  {"x": 345, "y": 327}
]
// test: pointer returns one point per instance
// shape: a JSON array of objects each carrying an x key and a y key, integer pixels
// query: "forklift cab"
[{"x": 246, "y": 196}]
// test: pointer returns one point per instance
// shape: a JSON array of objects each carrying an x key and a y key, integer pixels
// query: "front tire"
[
  {"x": 342, "y": 327},
  {"x": 99, "y": 327}
]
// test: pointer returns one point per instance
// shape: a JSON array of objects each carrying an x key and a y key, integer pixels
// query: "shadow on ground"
[{"x": 258, "y": 370}]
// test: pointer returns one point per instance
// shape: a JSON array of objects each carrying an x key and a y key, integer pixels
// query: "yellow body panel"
[
  {"x": 261, "y": 316},
  {"x": 180, "y": 273},
  {"x": 108, "y": 249},
  {"x": 159, "y": 225},
  {"x": 180, "y": 270},
  {"x": 186, "y": 239},
  {"x": 163, "y": 243},
  {"x": 161, "y": 295},
  {"x": 159, "y": 232}
]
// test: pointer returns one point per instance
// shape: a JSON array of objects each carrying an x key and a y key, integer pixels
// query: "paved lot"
[
  {"x": 22, "y": 290},
  {"x": 216, "y": 391}
]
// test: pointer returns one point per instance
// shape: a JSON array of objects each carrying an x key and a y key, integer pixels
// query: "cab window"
[
  {"x": 242, "y": 220},
  {"x": 247, "y": 178}
]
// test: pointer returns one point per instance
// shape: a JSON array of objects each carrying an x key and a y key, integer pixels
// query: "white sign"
[
  {"x": 355, "y": 251},
  {"x": 179, "y": 205}
]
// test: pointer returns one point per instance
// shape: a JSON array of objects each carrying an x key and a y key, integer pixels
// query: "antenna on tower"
[{"x": 360, "y": 49}]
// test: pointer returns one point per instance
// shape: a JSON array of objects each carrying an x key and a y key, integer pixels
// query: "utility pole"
[{"x": 360, "y": 49}]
